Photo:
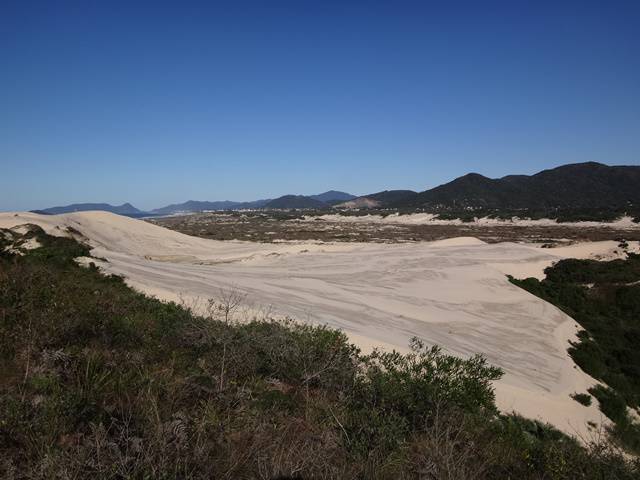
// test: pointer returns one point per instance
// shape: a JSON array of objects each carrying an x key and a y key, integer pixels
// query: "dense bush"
[
  {"x": 596, "y": 272},
  {"x": 98, "y": 381},
  {"x": 582, "y": 398},
  {"x": 604, "y": 298}
]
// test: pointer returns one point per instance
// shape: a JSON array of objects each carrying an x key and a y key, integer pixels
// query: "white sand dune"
[{"x": 452, "y": 292}]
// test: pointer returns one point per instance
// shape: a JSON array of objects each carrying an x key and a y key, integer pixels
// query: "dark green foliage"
[
  {"x": 582, "y": 398},
  {"x": 615, "y": 407},
  {"x": 97, "y": 381},
  {"x": 58, "y": 250},
  {"x": 590, "y": 271},
  {"x": 397, "y": 394},
  {"x": 411, "y": 384},
  {"x": 611, "y": 404},
  {"x": 604, "y": 298}
]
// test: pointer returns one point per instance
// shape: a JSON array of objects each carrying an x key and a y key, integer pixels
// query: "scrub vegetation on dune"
[
  {"x": 99, "y": 381},
  {"x": 604, "y": 298},
  {"x": 386, "y": 226}
]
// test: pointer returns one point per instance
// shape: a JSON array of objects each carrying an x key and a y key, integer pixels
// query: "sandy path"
[{"x": 453, "y": 293}]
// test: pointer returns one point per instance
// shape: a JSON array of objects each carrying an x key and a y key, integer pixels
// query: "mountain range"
[
  {"x": 587, "y": 185},
  {"x": 198, "y": 206},
  {"x": 574, "y": 186},
  {"x": 125, "y": 209},
  {"x": 321, "y": 200}
]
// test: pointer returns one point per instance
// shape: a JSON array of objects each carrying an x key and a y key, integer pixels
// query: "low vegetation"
[
  {"x": 561, "y": 215},
  {"x": 582, "y": 398},
  {"x": 604, "y": 298},
  {"x": 98, "y": 381},
  {"x": 314, "y": 225}
]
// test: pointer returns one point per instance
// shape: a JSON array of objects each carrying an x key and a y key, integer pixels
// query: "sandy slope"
[{"x": 451, "y": 292}]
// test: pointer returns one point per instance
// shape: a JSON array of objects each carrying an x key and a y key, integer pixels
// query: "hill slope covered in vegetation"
[{"x": 577, "y": 186}]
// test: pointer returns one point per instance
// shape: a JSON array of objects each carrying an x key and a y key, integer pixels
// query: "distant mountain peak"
[
  {"x": 333, "y": 196},
  {"x": 295, "y": 202},
  {"x": 583, "y": 164},
  {"x": 124, "y": 209},
  {"x": 474, "y": 175}
]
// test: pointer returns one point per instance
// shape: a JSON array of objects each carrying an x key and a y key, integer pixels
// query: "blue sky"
[{"x": 161, "y": 102}]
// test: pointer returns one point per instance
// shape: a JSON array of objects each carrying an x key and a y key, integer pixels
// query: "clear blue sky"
[{"x": 162, "y": 102}]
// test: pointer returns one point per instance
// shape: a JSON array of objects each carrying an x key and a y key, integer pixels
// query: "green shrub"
[{"x": 582, "y": 398}]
